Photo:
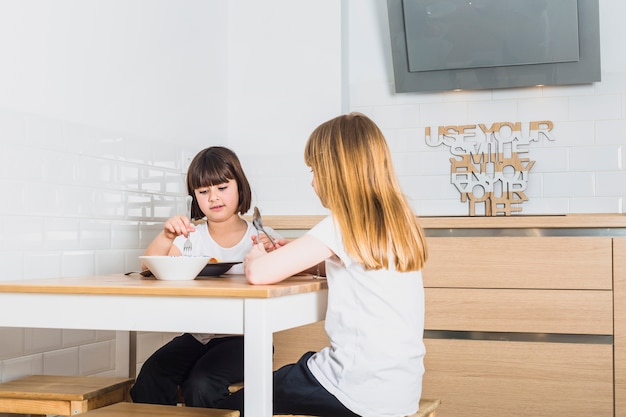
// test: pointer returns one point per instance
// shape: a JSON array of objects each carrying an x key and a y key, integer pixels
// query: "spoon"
[{"x": 258, "y": 225}]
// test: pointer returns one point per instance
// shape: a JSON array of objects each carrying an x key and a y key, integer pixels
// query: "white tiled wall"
[
  {"x": 74, "y": 210},
  {"x": 92, "y": 162},
  {"x": 97, "y": 127},
  {"x": 101, "y": 105}
]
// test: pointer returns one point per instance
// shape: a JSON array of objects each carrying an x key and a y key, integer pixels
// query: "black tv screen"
[{"x": 482, "y": 44}]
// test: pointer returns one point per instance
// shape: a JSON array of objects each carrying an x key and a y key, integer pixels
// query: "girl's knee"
[{"x": 203, "y": 392}]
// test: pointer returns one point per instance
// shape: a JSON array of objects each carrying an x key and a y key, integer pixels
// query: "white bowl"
[{"x": 175, "y": 268}]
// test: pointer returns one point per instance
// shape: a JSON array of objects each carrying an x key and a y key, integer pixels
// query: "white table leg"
[
  {"x": 257, "y": 359},
  {"x": 125, "y": 353}
]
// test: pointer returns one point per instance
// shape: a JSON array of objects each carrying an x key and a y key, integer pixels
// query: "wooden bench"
[
  {"x": 125, "y": 409},
  {"x": 427, "y": 409},
  {"x": 61, "y": 395}
]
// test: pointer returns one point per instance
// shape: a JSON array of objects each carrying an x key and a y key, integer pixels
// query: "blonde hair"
[{"x": 355, "y": 179}]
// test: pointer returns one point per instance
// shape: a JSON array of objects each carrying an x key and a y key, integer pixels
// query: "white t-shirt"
[
  {"x": 375, "y": 323},
  {"x": 204, "y": 245}
]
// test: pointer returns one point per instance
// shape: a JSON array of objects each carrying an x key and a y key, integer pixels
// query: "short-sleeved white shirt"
[
  {"x": 375, "y": 323},
  {"x": 204, "y": 245}
]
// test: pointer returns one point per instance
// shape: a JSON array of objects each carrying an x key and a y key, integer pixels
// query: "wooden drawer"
[
  {"x": 620, "y": 325},
  {"x": 476, "y": 378},
  {"x": 519, "y": 262},
  {"x": 532, "y": 311}
]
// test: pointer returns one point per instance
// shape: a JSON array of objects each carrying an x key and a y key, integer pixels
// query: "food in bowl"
[{"x": 175, "y": 268}]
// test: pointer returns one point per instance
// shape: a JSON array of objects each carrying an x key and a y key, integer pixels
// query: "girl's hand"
[
  {"x": 300, "y": 254},
  {"x": 265, "y": 242},
  {"x": 257, "y": 251},
  {"x": 178, "y": 225}
]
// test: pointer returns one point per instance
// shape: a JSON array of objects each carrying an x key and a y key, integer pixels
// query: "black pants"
[
  {"x": 203, "y": 372},
  {"x": 296, "y": 391}
]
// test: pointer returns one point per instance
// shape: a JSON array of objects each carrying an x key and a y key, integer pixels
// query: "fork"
[
  {"x": 258, "y": 225},
  {"x": 187, "y": 248}
]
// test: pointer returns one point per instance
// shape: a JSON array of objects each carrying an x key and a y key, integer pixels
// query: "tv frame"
[{"x": 584, "y": 71}]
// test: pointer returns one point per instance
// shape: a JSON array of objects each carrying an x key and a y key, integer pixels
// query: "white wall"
[
  {"x": 142, "y": 67},
  {"x": 103, "y": 101},
  {"x": 284, "y": 79}
]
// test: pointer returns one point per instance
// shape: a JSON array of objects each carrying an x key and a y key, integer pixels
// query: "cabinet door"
[
  {"x": 520, "y": 310},
  {"x": 548, "y": 262},
  {"x": 477, "y": 378}
]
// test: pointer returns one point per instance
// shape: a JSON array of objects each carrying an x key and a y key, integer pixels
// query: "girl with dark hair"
[{"x": 203, "y": 365}]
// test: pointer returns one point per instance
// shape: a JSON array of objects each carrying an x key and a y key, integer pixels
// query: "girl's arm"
[
  {"x": 299, "y": 255},
  {"x": 318, "y": 270},
  {"x": 163, "y": 243}
]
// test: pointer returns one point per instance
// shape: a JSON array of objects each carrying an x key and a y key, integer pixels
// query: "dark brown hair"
[{"x": 213, "y": 166}]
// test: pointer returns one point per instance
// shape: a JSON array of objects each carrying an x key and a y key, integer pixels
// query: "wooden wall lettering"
[{"x": 490, "y": 166}]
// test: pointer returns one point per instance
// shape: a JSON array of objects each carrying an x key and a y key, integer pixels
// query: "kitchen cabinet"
[
  {"x": 520, "y": 326},
  {"x": 525, "y": 315}
]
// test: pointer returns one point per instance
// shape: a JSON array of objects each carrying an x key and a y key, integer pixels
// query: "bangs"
[{"x": 211, "y": 171}]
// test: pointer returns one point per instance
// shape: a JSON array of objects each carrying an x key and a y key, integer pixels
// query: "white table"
[{"x": 207, "y": 305}]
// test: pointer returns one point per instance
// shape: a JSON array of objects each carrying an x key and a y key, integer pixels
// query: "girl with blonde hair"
[{"x": 373, "y": 250}]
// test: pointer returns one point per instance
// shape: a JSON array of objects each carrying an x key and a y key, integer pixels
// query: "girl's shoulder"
[{"x": 326, "y": 225}]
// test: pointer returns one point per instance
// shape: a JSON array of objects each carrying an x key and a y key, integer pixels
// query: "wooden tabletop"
[
  {"x": 556, "y": 221},
  {"x": 305, "y": 222},
  {"x": 226, "y": 286}
]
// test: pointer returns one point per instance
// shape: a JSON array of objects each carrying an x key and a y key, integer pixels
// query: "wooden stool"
[
  {"x": 427, "y": 409},
  {"x": 61, "y": 395},
  {"x": 231, "y": 388},
  {"x": 154, "y": 410}
]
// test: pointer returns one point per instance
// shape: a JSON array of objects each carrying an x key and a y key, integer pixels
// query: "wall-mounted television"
[{"x": 483, "y": 44}]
